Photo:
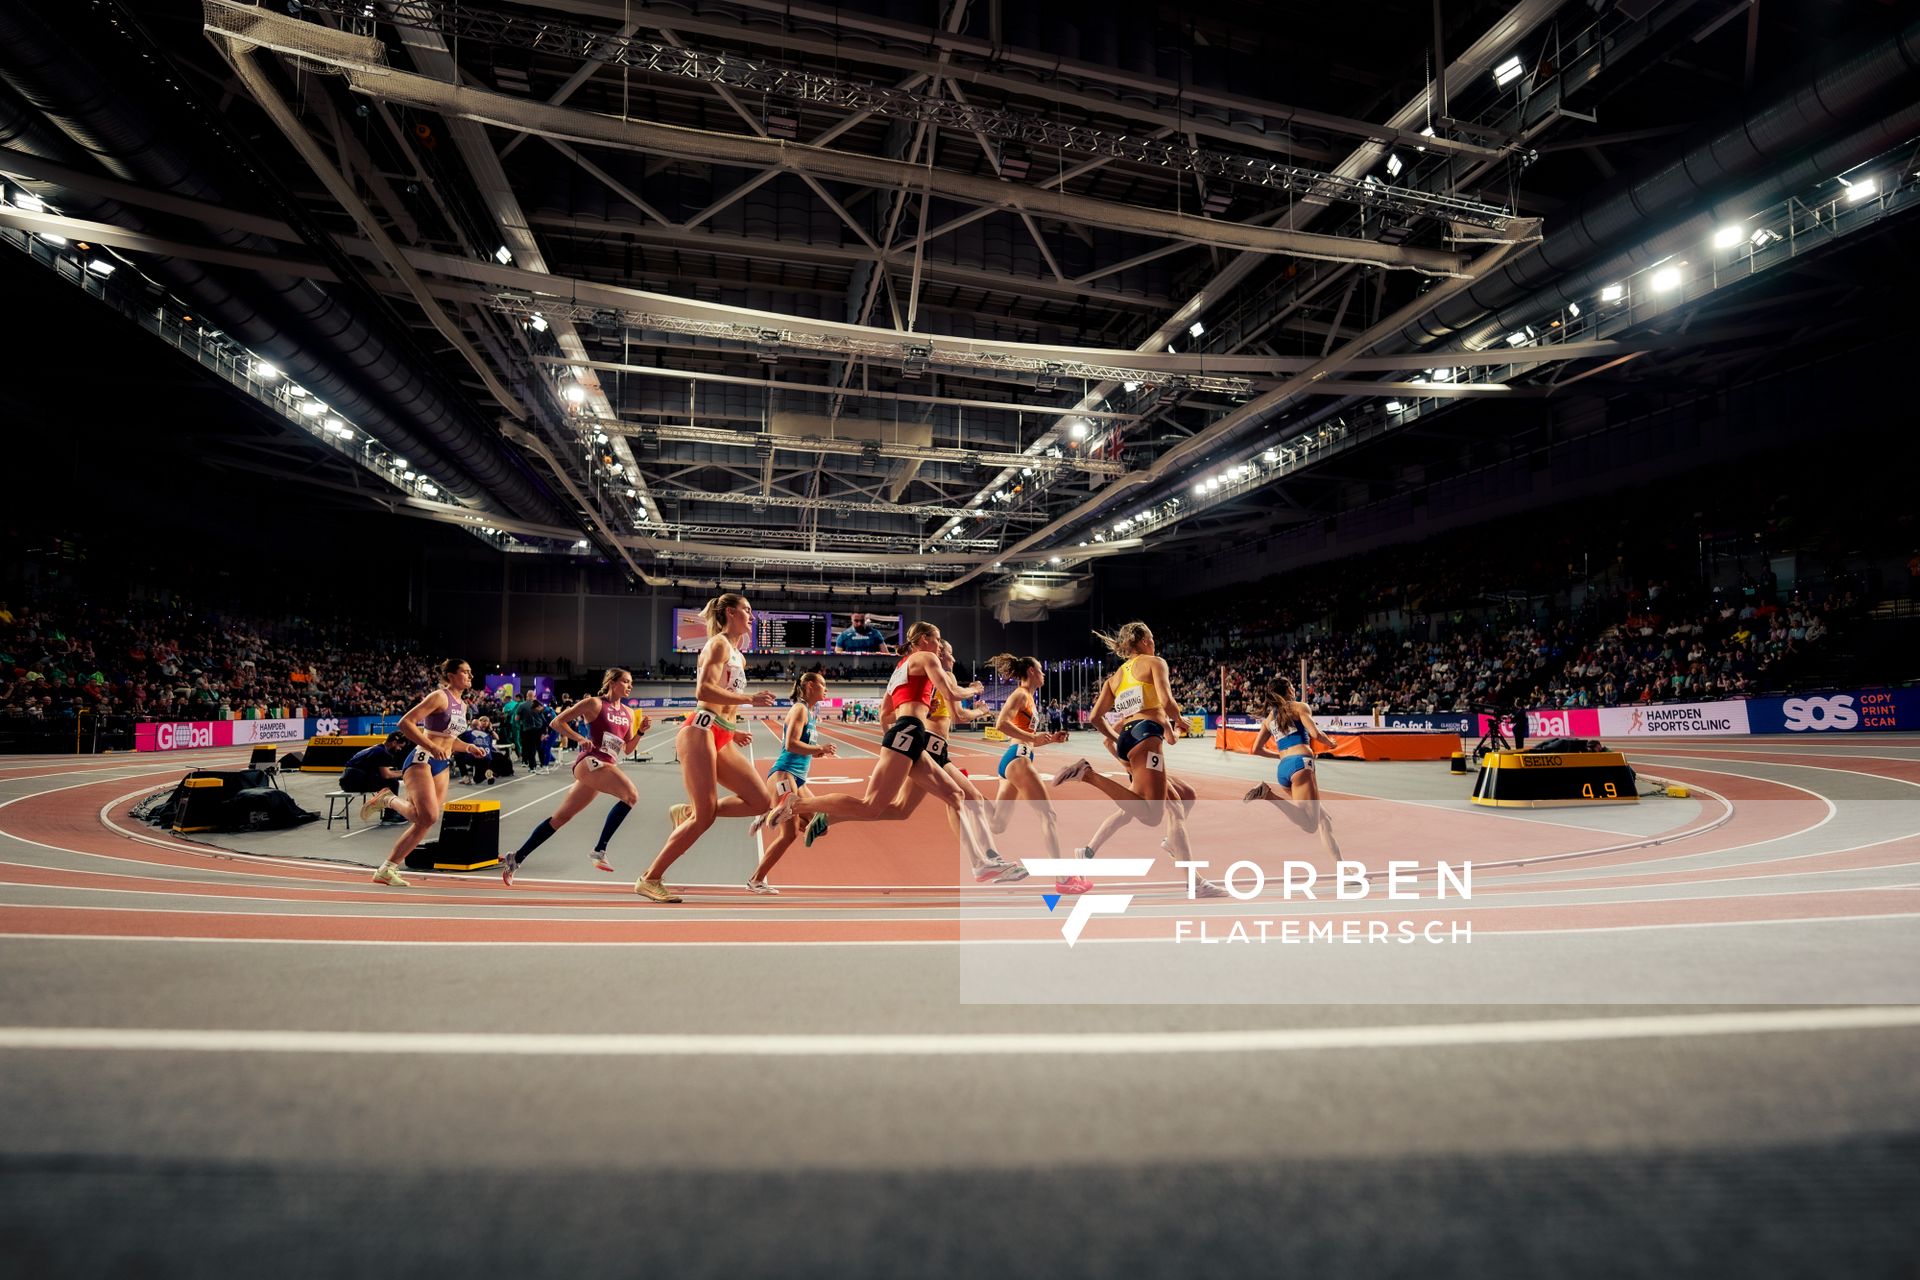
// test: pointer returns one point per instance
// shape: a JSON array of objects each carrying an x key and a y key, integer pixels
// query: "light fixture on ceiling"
[
  {"x": 1026, "y": 471},
  {"x": 574, "y": 393},
  {"x": 100, "y": 267},
  {"x": 1394, "y": 406},
  {"x": 1665, "y": 279},
  {"x": 264, "y": 371},
  {"x": 1860, "y": 188},
  {"x": 1078, "y": 429},
  {"x": 1507, "y": 72},
  {"x": 1394, "y": 164},
  {"x": 539, "y": 323},
  {"x": 1195, "y": 329},
  {"x": 581, "y": 545},
  {"x": 503, "y": 255},
  {"x": 312, "y": 408},
  {"x": 432, "y": 491},
  {"x": 28, "y": 201},
  {"x": 1517, "y": 339},
  {"x": 1270, "y": 457},
  {"x": 1129, "y": 387},
  {"x": 51, "y": 238},
  {"x": 1573, "y": 309},
  {"x": 1613, "y": 293},
  {"x": 1728, "y": 236}
]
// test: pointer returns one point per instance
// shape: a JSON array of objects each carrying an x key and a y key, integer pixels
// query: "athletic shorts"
[
  {"x": 907, "y": 735},
  {"x": 421, "y": 755},
  {"x": 1291, "y": 765},
  {"x": 1135, "y": 732},
  {"x": 937, "y": 749},
  {"x": 1016, "y": 751},
  {"x": 723, "y": 732}
]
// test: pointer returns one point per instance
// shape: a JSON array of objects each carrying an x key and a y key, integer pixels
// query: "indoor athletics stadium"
[{"x": 920, "y": 638}]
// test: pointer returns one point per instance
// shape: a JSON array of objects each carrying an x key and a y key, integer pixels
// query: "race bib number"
[
  {"x": 1130, "y": 702},
  {"x": 702, "y": 720},
  {"x": 1154, "y": 762},
  {"x": 936, "y": 744},
  {"x": 783, "y": 786},
  {"x": 901, "y": 740},
  {"x": 612, "y": 743},
  {"x": 594, "y": 763},
  {"x": 1022, "y": 751},
  {"x": 420, "y": 756}
]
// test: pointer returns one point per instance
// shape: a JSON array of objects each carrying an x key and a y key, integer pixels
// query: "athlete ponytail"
[
  {"x": 1277, "y": 698},
  {"x": 1008, "y": 667},
  {"x": 451, "y": 667},
  {"x": 716, "y": 610},
  {"x": 800, "y": 685},
  {"x": 1124, "y": 641},
  {"x": 613, "y": 674},
  {"x": 919, "y": 631}
]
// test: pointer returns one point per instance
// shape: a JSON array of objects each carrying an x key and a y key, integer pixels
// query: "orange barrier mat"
[{"x": 1359, "y": 746}]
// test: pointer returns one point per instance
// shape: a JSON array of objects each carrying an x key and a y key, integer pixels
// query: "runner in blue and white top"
[{"x": 789, "y": 773}]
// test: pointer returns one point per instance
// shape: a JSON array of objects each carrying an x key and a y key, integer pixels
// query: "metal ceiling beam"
[
  {"x": 992, "y": 54},
  {"x": 851, "y": 393},
  {"x": 363, "y": 60},
  {"x": 720, "y": 437}
]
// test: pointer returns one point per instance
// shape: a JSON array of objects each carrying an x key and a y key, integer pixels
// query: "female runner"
[
  {"x": 1140, "y": 693},
  {"x": 911, "y": 748},
  {"x": 976, "y": 839},
  {"x": 1019, "y": 779},
  {"x": 611, "y": 732},
  {"x": 434, "y": 724},
  {"x": 789, "y": 772},
  {"x": 1288, "y": 726},
  {"x": 710, "y": 743}
]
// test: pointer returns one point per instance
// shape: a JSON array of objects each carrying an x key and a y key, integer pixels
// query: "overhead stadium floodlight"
[
  {"x": 1507, "y": 72},
  {"x": 1729, "y": 236}
]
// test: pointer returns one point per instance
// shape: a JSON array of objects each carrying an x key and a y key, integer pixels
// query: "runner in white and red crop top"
[
  {"x": 614, "y": 729},
  {"x": 905, "y": 739},
  {"x": 710, "y": 744}
]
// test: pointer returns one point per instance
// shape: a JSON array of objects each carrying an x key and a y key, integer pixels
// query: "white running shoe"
[
  {"x": 600, "y": 862},
  {"x": 781, "y": 811},
  {"x": 761, "y": 886},
  {"x": 371, "y": 807},
  {"x": 1260, "y": 791},
  {"x": 1073, "y": 773},
  {"x": 679, "y": 815},
  {"x": 1208, "y": 889}
]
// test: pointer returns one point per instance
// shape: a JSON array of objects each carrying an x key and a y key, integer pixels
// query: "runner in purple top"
[{"x": 613, "y": 729}]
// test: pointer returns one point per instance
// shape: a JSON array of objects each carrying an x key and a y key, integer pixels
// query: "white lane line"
[
  {"x": 983, "y": 1044},
  {"x": 202, "y": 940}
]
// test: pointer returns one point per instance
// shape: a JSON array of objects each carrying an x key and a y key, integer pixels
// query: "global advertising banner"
[
  {"x": 1674, "y": 720},
  {"x": 170, "y": 735},
  {"x": 1857, "y": 711}
]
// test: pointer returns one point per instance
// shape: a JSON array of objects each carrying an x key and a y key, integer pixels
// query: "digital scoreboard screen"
[{"x": 772, "y": 632}]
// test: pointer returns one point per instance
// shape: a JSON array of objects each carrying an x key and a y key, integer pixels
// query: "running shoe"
[
  {"x": 1072, "y": 884},
  {"x": 1008, "y": 872},
  {"x": 988, "y": 872},
  {"x": 816, "y": 828},
  {"x": 679, "y": 815},
  {"x": 761, "y": 886},
  {"x": 781, "y": 811},
  {"x": 374, "y": 803},
  {"x": 1087, "y": 851},
  {"x": 389, "y": 874},
  {"x": 654, "y": 891},
  {"x": 508, "y": 865},
  {"x": 1073, "y": 773},
  {"x": 1208, "y": 889},
  {"x": 1260, "y": 791},
  {"x": 600, "y": 862}
]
